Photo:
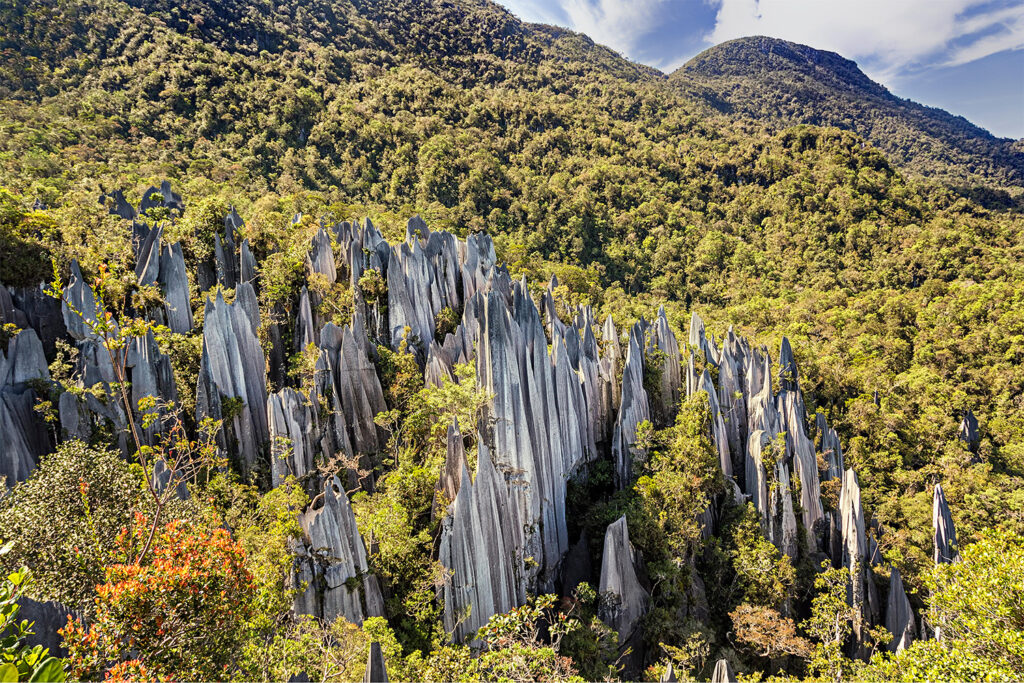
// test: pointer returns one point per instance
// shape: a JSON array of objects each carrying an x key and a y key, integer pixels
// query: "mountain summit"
[{"x": 783, "y": 84}]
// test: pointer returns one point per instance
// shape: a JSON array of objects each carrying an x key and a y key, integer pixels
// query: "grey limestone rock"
[
  {"x": 899, "y": 617},
  {"x": 23, "y": 436},
  {"x": 968, "y": 432},
  {"x": 718, "y": 432},
  {"x": 633, "y": 409},
  {"x": 333, "y": 553},
  {"x": 294, "y": 438},
  {"x": 664, "y": 339},
  {"x": 454, "y": 463},
  {"x": 723, "y": 672},
  {"x": 618, "y": 578},
  {"x": 800, "y": 451},
  {"x": 376, "y": 672},
  {"x": 944, "y": 531},
  {"x": 830, "y": 448},
  {"x": 233, "y": 366},
  {"x": 482, "y": 546},
  {"x": 46, "y": 619},
  {"x": 173, "y": 279},
  {"x": 862, "y": 593},
  {"x": 160, "y": 197}
]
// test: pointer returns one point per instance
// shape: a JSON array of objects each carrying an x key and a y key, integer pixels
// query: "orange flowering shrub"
[{"x": 180, "y": 615}]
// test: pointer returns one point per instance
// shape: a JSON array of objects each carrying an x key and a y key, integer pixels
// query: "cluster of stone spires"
[{"x": 557, "y": 401}]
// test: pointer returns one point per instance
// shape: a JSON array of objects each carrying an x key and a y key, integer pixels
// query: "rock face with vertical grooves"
[
  {"x": 942, "y": 525},
  {"x": 173, "y": 280},
  {"x": 861, "y": 595},
  {"x": 23, "y": 436},
  {"x": 723, "y": 672},
  {"x": 969, "y": 433},
  {"x": 718, "y": 433},
  {"x": 376, "y": 672},
  {"x": 233, "y": 367},
  {"x": 800, "y": 451},
  {"x": 670, "y": 375},
  {"x": 618, "y": 577},
  {"x": 899, "y": 617},
  {"x": 830, "y": 448},
  {"x": 633, "y": 409},
  {"x": 454, "y": 463},
  {"x": 482, "y": 545},
  {"x": 293, "y": 420},
  {"x": 332, "y": 554}
]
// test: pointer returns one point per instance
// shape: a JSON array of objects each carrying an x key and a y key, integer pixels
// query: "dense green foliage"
[
  {"x": 785, "y": 84},
  {"x": 634, "y": 190},
  {"x": 18, "y": 661}
]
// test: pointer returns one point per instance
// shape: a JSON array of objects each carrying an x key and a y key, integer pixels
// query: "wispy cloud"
[
  {"x": 619, "y": 24},
  {"x": 887, "y": 36}
]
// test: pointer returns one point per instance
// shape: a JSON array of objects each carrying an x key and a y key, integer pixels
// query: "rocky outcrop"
[
  {"x": 173, "y": 280},
  {"x": 628, "y": 599},
  {"x": 23, "y": 436},
  {"x": 862, "y": 594},
  {"x": 293, "y": 420},
  {"x": 633, "y": 409},
  {"x": 829, "y": 447},
  {"x": 46, "y": 619},
  {"x": 376, "y": 672},
  {"x": 800, "y": 451},
  {"x": 723, "y": 672},
  {"x": 451, "y": 476},
  {"x": 670, "y": 378},
  {"x": 482, "y": 547},
  {"x": 331, "y": 573},
  {"x": 162, "y": 196},
  {"x": 719, "y": 437},
  {"x": 232, "y": 376},
  {"x": 899, "y": 617},
  {"x": 942, "y": 526},
  {"x": 968, "y": 432}
]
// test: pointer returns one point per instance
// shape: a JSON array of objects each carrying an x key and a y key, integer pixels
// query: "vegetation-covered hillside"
[
  {"x": 771, "y": 188},
  {"x": 784, "y": 84}
]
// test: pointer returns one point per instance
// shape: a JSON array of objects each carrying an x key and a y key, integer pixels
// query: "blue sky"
[{"x": 965, "y": 56}]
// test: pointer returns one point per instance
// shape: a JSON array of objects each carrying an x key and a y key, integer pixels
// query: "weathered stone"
[
  {"x": 333, "y": 554},
  {"x": 233, "y": 367},
  {"x": 718, "y": 433},
  {"x": 294, "y": 438},
  {"x": 899, "y": 617},
  {"x": 723, "y": 672},
  {"x": 670, "y": 375},
  {"x": 376, "y": 672},
  {"x": 482, "y": 546},
  {"x": 147, "y": 265},
  {"x": 942, "y": 524},
  {"x": 618, "y": 578},
  {"x": 861, "y": 593},
  {"x": 633, "y": 409},
  {"x": 800, "y": 451},
  {"x": 969, "y": 433},
  {"x": 830, "y": 448},
  {"x": 46, "y": 619},
  {"x": 451, "y": 476},
  {"x": 173, "y": 279}
]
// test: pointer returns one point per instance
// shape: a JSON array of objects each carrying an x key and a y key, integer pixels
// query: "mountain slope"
[{"x": 784, "y": 84}]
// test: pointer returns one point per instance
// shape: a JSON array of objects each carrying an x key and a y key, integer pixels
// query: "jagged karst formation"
[
  {"x": 331, "y": 555},
  {"x": 619, "y": 579},
  {"x": 563, "y": 393}
]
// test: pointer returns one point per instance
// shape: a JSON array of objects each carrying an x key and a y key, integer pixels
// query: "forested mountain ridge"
[
  {"x": 874, "y": 310},
  {"x": 784, "y": 84}
]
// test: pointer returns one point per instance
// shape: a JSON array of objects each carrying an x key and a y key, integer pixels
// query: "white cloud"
[
  {"x": 619, "y": 24},
  {"x": 891, "y": 35}
]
